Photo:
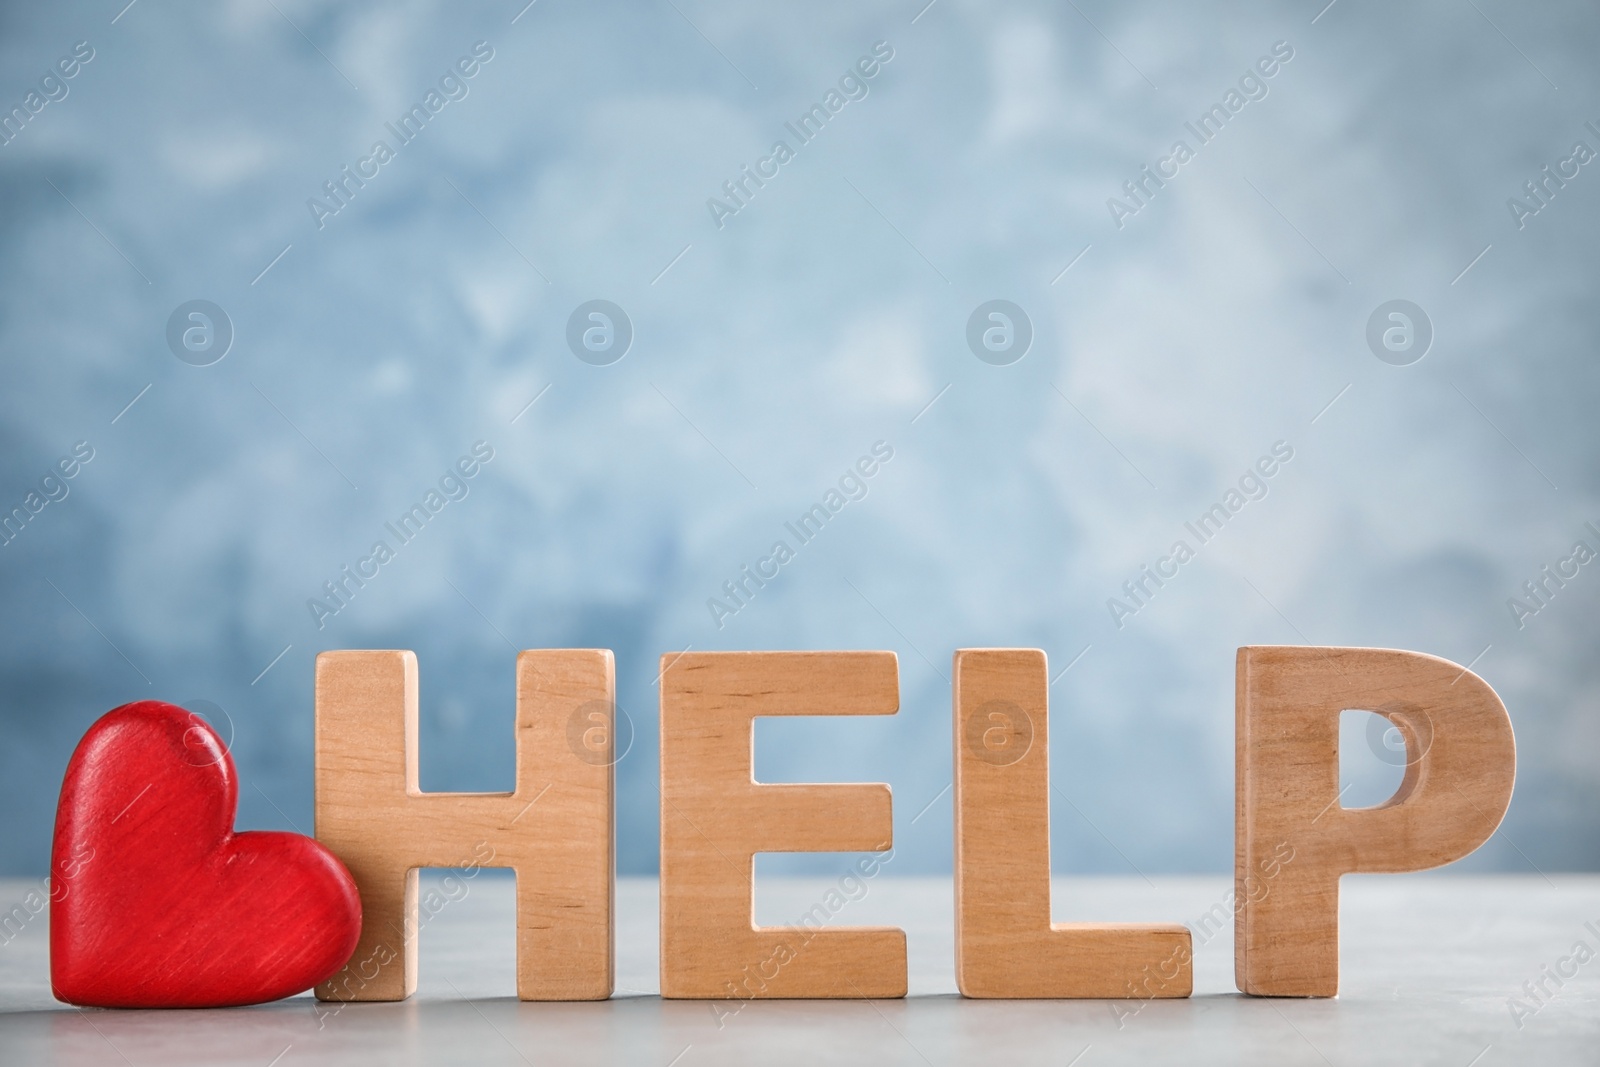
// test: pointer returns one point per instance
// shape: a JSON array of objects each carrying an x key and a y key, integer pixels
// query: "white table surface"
[{"x": 1429, "y": 964}]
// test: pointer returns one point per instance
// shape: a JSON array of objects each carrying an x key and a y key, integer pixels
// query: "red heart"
[{"x": 157, "y": 903}]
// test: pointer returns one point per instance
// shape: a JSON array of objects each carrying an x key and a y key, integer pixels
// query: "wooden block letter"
[
  {"x": 1006, "y": 945},
  {"x": 554, "y": 830},
  {"x": 715, "y": 817},
  {"x": 1292, "y": 840}
]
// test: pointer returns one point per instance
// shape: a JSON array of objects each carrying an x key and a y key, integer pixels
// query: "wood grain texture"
[
  {"x": 155, "y": 901},
  {"x": 715, "y": 817},
  {"x": 1293, "y": 840},
  {"x": 1006, "y": 945},
  {"x": 554, "y": 829}
]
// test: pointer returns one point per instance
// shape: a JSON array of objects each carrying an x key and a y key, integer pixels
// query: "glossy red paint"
[{"x": 157, "y": 903}]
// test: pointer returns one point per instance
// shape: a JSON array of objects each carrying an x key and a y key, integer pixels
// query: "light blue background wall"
[{"x": 825, "y": 316}]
